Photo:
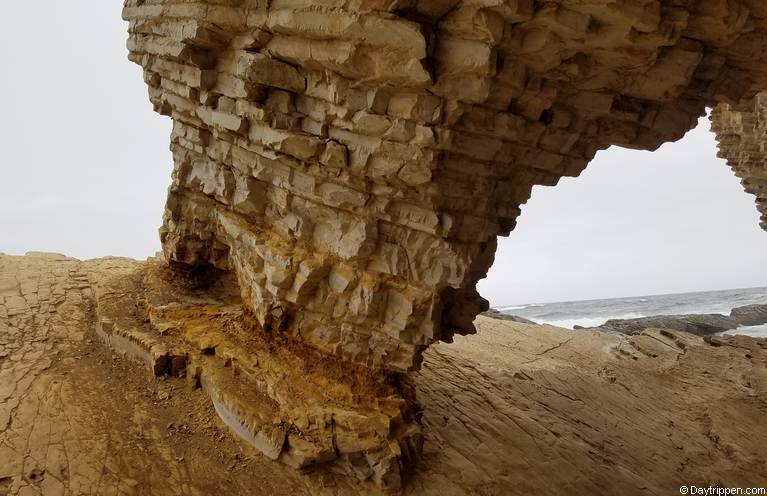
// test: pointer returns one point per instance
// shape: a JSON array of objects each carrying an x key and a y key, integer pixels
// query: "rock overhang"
[
  {"x": 742, "y": 133},
  {"x": 354, "y": 161}
]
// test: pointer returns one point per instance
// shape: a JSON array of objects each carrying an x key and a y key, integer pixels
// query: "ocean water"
[{"x": 592, "y": 313}]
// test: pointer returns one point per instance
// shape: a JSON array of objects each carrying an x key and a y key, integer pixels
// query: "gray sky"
[
  {"x": 85, "y": 167},
  {"x": 85, "y": 162}
]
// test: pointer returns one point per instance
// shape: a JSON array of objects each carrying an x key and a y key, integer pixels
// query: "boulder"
[{"x": 750, "y": 315}]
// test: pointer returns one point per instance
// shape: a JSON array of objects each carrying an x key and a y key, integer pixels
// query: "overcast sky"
[{"x": 85, "y": 167}]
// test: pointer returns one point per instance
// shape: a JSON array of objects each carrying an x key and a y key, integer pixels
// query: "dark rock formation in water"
[
  {"x": 698, "y": 324},
  {"x": 750, "y": 315},
  {"x": 495, "y": 314}
]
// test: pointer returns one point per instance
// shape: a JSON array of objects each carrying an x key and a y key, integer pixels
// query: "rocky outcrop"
[
  {"x": 353, "y": 161},
  {"x": 698, "y": 324},
  {"x": 515, "y": 409},
  {"x": 742, "y": 131},
  {"x": 285, "y": 399},
  {"x": 495, "y": 314},
  {"x": 750, "y": 315}
]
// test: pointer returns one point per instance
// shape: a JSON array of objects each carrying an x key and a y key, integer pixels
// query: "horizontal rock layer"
[
  {"x": 750, "y": 315},
  {"x": 353, "y": 161},
  {"x": 288, "y": 401},
  {"x": 698, "y": 324}
]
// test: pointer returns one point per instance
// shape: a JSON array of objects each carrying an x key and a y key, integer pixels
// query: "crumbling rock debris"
[{"x": 287, "y": 400}]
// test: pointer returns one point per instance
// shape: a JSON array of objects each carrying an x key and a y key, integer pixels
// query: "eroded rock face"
[
  {"x": 286, "y": 400},
  {"x": 353, "y": 161},
  {"x": 742, "y": 133}
]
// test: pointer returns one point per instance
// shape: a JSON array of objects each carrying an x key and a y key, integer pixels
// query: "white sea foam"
[
  {"x": 759, "y": 331},
  {"x": 587, "y": 321},
  {"x": 517, "y": 307}
]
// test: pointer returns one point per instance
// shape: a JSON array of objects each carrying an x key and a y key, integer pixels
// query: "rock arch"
[{"x": 353, "y": 161}]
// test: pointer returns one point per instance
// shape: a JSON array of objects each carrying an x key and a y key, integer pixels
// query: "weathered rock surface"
[
  {"x": 698, "y": 324},
  {"x": 353, "y": 161},
  {"x": 517, "y": 409},
  {"x": 750, "y": 315},
  {"x": 742, "y": 132},
  {"x": 287, "y": 400}
]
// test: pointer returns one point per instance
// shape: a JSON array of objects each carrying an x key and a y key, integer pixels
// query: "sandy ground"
[{"x": 517, "y": 409}]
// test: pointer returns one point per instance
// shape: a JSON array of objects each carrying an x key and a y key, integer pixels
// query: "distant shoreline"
[{"x": 734, "y": 311}]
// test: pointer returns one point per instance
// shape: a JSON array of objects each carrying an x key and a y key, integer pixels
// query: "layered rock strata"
[
  {"x": 285, "y": 399},
  {"x": 353, "y": 161},
  {"x": 742, "y": 133}
]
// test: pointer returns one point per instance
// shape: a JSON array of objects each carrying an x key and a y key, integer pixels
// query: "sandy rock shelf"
[{"x": 517, "y": 409}]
